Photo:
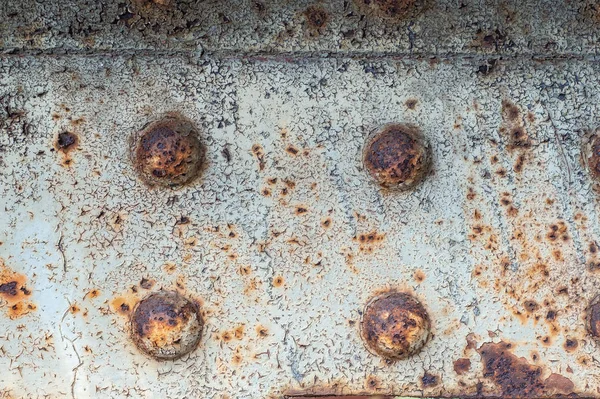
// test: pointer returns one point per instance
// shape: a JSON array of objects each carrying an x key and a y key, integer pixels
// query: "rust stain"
[
  {"x": 391, "y": 9},
  {"x": 316, "y": 18},
  {"x": 515, "y": 377},
  {"x": 259, "y": 153},
  {"x": 512, "y": 128}
]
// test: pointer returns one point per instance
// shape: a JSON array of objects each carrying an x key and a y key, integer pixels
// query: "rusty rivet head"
[
  {"x": 395, "y": 325},
  {"x": 593, "y": 318},
  {"x": 168, "y": 153},
  {"x": 593, "y": 155},
  {"x": 397, "y": 156},
  {"x": 165, "y": 325}
]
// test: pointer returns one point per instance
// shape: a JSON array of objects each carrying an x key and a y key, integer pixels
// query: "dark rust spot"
[
  {"x": 411, "y": 103},
  {"x": 9, "y": 288},
  {"x": 571, "y": 344},
  {"x": 66, "y": 141},
  {"x": 395, "y": 325},
  {"x": 146, "y": 284},
  {"x": 292, "y": 150},
  {"x": 397, "y": 156},
  {"x": 531, "y": 306},
  {"x": 515, "y": 377},
  {"x": 316, "y": 18},
  {"x": 429, "y": 380},
  {"x": 301, "y": 210},
  {"x": 168, "y": 153},
  {"x": 166, "y": 325},
  {"x": 462, "y": 366}
]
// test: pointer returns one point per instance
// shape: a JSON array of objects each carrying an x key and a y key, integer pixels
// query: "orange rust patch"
[
  {"x": 419, "y": 276},
  {"x": 278, "y": 282},
  {"x": 326, "y": 222},
  {"x": 20, "y": 309},
  {"x": 74, "y": 309},
  {"x": 93, "y": 294},
  {"x": 262, "y": 331},
  {"x": 515, "y": 377},
  {"x": 238, "y": 333},
  {"x": 123, "y": 304},
  {"x": 14, "y": 292}
]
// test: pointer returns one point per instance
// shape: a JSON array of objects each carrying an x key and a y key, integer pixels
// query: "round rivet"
[
  {"x": 395, "y": 325},
  {"x": 168, "y": 153},
  {"x": 165, "y": 325},
  {"x": 593, "y": 155},
  {"x": 397, "y": 156},
  {"x": 593, "y": 317}
]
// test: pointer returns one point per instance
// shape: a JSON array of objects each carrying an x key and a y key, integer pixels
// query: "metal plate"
[{"x": 499, "y": 242}]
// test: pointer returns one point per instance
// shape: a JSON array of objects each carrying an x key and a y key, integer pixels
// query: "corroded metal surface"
[{"x": 284, "y": 237}]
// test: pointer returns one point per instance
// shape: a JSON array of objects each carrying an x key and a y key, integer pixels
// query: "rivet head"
[
  {"x": 168, "y": 153},
  {"x": 165, "y": 325},
  {"x": 397, "y": 156},
  {"x": 395, "y": 326},
  {"x": 593, "y": 318},
  {"x": 593, "y": 155}
]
